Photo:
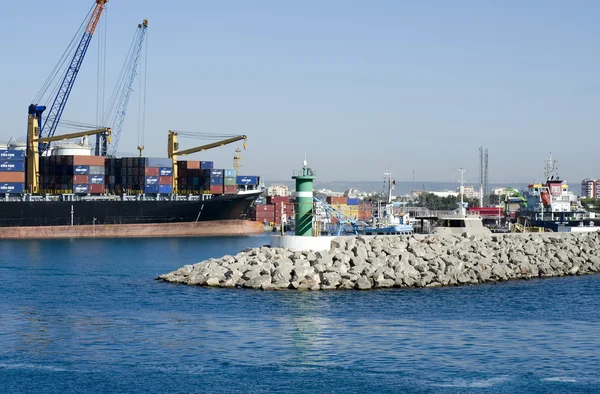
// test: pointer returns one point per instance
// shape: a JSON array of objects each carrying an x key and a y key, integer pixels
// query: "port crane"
[
  {"x": 174, "y": 152},
  {"x": 331, "y": 212},
  {"x": 124, "y": 86},
  {"x": 49, "y": 125},
  {"x": 34, "y": 139}
]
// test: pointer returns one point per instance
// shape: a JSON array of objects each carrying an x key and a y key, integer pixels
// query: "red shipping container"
[
  {"x": 216, "y": 189},
  {"x": 265, "y": 207},
  {"x": 230, "y": 189},
  {"x": 96, "y": 189},
  {"x": 277, "y": 199},
  {"x": 165, "y": 180},
  {"x": 191, "y": 164},
  {"x": 15, "y": 177},
  {"x": 81, "y": 179},
  {"x": 151, "y": 171},
  {"x": 88, "y": 161},
  {"x": 337, "y": 200}
]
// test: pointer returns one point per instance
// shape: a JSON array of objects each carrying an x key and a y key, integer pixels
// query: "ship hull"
[
  {"x": 194, "y": 229},
  {"x": 84, "y": 213}
]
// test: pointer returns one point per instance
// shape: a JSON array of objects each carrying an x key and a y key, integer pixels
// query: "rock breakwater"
[{"x": 401, "y": 261}]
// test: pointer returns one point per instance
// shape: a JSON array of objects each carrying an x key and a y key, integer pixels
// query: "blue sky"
[{"x": 360, "y": 85}]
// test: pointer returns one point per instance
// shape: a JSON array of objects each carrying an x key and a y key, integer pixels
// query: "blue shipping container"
[
  {"x": 165, "y": 189},
  {"x": 12, "y": 154},
  {"x": 230, "y": 173},
  {"x": 158, "y": 162},
  {"x": 12, "y": 187},
  {"x": 81, "y": 170},
  {"x": 206, "y": 165},
  {"x": 81, "y": 189},
  {"x": 151, "y": 180},
  {"x": 151, "y": 188},
  {"x": 12, "y": 166},
  {"x": 97, "y": 179},
  {"x": 247, "y": 180},
  {"x": 352, "y": 201},
  {"x": 217, "y": 173},
  {"x": 217, "y": 181},
  {"x": 165, "y": 171}
]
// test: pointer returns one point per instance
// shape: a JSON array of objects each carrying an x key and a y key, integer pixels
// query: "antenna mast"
[{"x": 462, "y": 190}]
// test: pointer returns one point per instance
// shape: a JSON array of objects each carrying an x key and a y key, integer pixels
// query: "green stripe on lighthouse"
[{"x": 304, "y": 201}]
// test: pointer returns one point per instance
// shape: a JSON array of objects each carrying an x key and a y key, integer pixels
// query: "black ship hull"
[{"x": 64, "y": 213}]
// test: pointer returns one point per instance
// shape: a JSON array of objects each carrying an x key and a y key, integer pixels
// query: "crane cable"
[
  {"x": 61, "y": 62},
  {"x": 203, "y": 136},
  {"x": 101, "y": 80}
]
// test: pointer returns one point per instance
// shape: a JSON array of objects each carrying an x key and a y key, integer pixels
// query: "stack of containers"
[
  {"x": 137, "y": 175},
  {"x": 193, "y": 177},
  {"x": 230, "y": 182},
  {"x": 282, "y": 205},
  {"x": 12, "y": 171},
  {"x": 217, "y": 179},
  {"x": 72, "y": 174},
  {"x": 339, "y": 203},
  {"x": 352, "y": 208},
  {"x": 264, "y": 213},
  {"x": 365, "y": 211}
]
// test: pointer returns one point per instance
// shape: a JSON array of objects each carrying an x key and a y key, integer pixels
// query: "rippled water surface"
[{"x": 88, "y": 316}]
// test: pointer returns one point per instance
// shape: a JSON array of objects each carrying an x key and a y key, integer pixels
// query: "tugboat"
[
  {"x": 552, "y": 206},
  {"x": 385, "y": 222}
]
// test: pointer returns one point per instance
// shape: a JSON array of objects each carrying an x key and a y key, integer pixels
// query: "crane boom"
[
  {"x": 132, "y": 70},
  {"x": 173, "y": 150},
  {"x": 49, "y": 126}
]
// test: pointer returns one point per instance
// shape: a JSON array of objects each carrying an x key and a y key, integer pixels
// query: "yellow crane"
[
  {"x": 33, "y": 141},
  {"x": 174, "y": 152}
]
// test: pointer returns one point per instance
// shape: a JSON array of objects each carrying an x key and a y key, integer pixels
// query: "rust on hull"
[{"x": 197, "y": 229}]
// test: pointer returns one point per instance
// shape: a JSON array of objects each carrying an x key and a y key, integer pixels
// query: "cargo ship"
[{"x": 122, "y": 196}]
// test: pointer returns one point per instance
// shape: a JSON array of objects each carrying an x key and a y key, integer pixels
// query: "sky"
[{"x": 360, "y": 86}]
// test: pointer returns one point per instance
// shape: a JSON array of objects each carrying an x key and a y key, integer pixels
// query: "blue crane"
[
  {"x": 342, "y": 219},
  {"x": 125, "y": 87},
  {"x": 48, "y": 127}
]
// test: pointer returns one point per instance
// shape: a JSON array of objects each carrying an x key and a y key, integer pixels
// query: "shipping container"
[
  {"x": 165, "y": 189},
  {"x": 81, "y": 179},
  {"x": 230, "y": 182},
  {"x": 247, "y": 180},
  {"x": 97, "y": 170},
  {"x": 206, "y": 165},
  {"x": 165, "y": 171},
  {"x": 165, "y": 180},
  {"x": 150, "y": 171},
  {"x": 352, "y": 201},
  {"x": 81, "y": 189},
  {"x": 216, "y": 189},
  {"x": 6, "y": 154},
  {"x": 265, "y": 208},
  {"x": 217, "y": 173},
  {"x": 12, "y": 177},
  {"x": 230, "y": 173},
  {"x": 230, "y": 189},
  {"x": 157, "y": 162},
  {"x": 80, "y": 170},
  {"x": 88, "y": 160},
  {"x": 152, "y": 189},
  {"x": 12, "y": 187},
  {"x": 97, "y": 189},
  {"x": 96, "y": 179},
  {"x": 277, "y": 199},
  {"x": 336, "y": 200},
  {"x": 12, "y": 166},
  {"x": 151, "y": 180},
  {"x": 216, "y": 181}
]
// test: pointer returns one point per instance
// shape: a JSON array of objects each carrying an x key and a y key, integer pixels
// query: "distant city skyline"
[{"x": 361, "y": 86}]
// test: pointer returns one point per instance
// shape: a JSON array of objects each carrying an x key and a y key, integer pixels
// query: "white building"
[
  {"x": 590, "y": 188},
  {"x": 445, "y": 193},
  {"x": 278, "y": 191}
]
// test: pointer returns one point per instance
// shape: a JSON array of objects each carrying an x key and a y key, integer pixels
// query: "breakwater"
[{"x": 401, "y": 261}]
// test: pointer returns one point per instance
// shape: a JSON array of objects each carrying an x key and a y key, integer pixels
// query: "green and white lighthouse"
[{"x": 304, "y": 200}]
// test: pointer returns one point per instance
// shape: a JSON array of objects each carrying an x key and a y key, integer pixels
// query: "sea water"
[{"x": 88, "y": 316}]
